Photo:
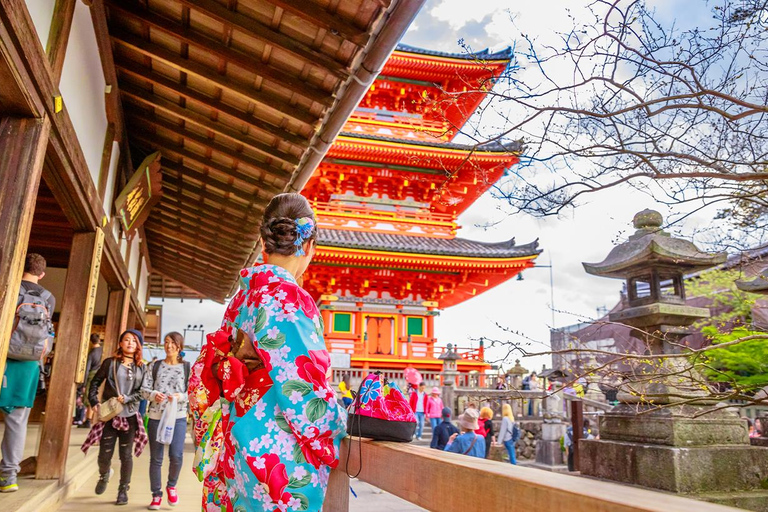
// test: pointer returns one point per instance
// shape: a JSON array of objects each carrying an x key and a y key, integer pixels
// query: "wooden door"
[{"x": 381, "y": 334}]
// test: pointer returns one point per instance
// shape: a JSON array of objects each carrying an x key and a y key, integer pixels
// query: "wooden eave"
[{"x": 233, "y": 95}]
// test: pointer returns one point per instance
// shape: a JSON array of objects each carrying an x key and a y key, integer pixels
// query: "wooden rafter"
[
  {"x": 208, "y": 235},
  {"x": 143, "y": 96},
  {"x": 176, "y": 209},
  {"x": 192, "y": 207},
  {"x": 201, "y": 250},
  {"x": 250, "y": 121},
  {"x": 210, "y": 76},
  {"x": 223, "y": 52},
  {"x": 267, "y": 35},
  {"x": 203, "y": 288},
  {"x": 316, "y": 15},
  {"x": 58, "y": 37},
  {"x": 152, "y": 141}
]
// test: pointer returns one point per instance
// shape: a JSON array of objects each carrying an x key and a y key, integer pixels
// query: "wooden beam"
[
  {"x": 118, "y": 304},
  {"x": 200, "y": 275},
  {"x": 201, "y": 288},
  {"x": 58, "y": 37},
  {"x": 114, "y": 108},
  {"x": 265, "y": 34},
  {"x": 224, "y": 82},
  {"x": 144, "y": 97},
  {"x": 197, "y": 245},
  {"x": 141, "y": 119},
  {"x": 22, "y": 150},
  {"x": 318, "y": 16},
  {"x": 106, "y": 161},
  {"x": 192, "y": 208},
  {"x": 177, "y": 212},
  {"x": 203, "y": 256},
  {"x": 205, "y": 234},
  {"x": 153, "y": 142},
  {"x": 252, "y": 122},
  {"x": 177, "y": 30},
  {"x": 82, "y": 274}
]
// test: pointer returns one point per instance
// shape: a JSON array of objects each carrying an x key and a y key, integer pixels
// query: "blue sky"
[{"x": 585, "y": 234}]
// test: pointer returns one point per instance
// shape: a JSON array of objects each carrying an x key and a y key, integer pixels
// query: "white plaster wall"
[
  {"x": 41, "y": 12},
  {"x": 143, "y": 283},
  {"x": 82, "y": 87},
  {"x": 133, "y": 265},
  {"x": 109, "y": 198}
]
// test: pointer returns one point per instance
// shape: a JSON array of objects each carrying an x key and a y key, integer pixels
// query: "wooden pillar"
[
  {"x": 337, "y": 495},
  {"x": 117, "y": 319},
  {"x": 577, "y": 423},
  {"x": 22, "y": 152},
  {"x": 131, "y": 322},
  {"x": 74, "y": 327}
]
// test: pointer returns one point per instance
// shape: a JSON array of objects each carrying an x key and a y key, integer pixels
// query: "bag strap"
[
  {"x": 471, "y": 445},
  {"x": 353, "y": 416},
  {"x": 114, "y": 372}
]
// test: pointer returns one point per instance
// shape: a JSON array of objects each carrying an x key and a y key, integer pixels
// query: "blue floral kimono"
[{"x": 267, "y": 439}]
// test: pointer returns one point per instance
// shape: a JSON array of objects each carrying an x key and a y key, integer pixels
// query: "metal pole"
[{"x": 552, "y": 291}]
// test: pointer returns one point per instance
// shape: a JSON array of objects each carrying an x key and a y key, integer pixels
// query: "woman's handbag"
[
  {"x": 111, "y": 407},
  {"x": 381, "y": 412},
  {"x": 167, "y": 423}
]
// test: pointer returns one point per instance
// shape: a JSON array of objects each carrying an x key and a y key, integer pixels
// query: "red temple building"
[{"x": 387, "y": 196}]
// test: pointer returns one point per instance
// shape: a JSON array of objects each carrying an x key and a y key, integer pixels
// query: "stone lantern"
[
  {"x": 516, "y": 374},
  {"x": 449, "y": 374},
  {"x": 657, "y": 436}
]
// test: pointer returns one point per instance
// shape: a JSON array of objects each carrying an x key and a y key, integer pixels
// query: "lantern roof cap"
[
  {"x": 757, "y": 285},
  {"x": 517, "y": 369},
  {"x": 651, "y": 246}
]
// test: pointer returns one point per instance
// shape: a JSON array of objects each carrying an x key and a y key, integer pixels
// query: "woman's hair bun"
[{"x": 278, "y": 227}]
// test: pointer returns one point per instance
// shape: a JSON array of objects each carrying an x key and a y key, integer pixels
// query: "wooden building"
[
  {"x": 224, "y": 103},
  {"x": 388, "y": 195}
]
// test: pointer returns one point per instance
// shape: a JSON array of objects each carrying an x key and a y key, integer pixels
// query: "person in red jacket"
[{"x": 418, "y": 400}]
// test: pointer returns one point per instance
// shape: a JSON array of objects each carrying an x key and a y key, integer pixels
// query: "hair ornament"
[{"x": 304, "y": 228}]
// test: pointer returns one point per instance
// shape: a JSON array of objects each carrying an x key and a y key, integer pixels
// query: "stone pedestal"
[
  {"x": 548, "y": 451},
  {"x": 673, "y": 451}
]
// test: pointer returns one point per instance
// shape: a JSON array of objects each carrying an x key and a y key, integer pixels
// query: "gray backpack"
[{"x": 33, "y": 329}]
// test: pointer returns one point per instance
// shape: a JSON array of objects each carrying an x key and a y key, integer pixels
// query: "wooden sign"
[
  {"x": 140, "y": 194},
  {"x": 93, "y": 288}
]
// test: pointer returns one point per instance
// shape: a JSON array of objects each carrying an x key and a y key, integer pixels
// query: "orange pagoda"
[{"x": 387, "y": 196}]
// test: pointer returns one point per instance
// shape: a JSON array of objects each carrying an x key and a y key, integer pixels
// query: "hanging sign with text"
[{"x": 140, "y": 194}]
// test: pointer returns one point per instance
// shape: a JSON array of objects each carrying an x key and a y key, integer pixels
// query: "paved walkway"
[{"x": 369, "y": 498}]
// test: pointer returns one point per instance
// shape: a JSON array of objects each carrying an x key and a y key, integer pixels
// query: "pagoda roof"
[
  {"x": 487, "y": 147},
  {"x": 487, "y": 54},
  {"x": 425, "y": 245}
]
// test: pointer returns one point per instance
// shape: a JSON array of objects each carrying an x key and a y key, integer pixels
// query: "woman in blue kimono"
[{"x": 267, "y": 422}]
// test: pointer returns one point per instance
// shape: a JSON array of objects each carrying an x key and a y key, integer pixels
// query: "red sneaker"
[
  {"x": 156, "y": 502},
  {"x": 173, "y": 498}
]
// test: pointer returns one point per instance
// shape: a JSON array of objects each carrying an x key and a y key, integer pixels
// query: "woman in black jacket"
[{"x": 122, "y": 376}]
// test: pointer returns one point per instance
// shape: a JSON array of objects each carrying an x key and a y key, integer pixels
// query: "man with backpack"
[{"x": 29, "y": 344}]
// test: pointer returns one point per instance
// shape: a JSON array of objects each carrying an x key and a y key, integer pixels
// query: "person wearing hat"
[
  {"x": 443, "y": 431},
  {"x": 434, "y": 409},
  {"x": 418, "y": 401},
  {"x": 122, "y": 376},
  {"x": 467, "y": 443}
]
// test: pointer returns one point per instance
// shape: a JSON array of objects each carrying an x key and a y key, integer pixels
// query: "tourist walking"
[
  {"x": 568, "y": 442},
  {"x": 346, "y": 392},
  {"x": 467, "y": 442},
  {"x": 92, "y": 364},
  {"x": 509, "y": 432},
  {"x": 33, "y": 330},
  {"x": 267, "y": 421},
  {"x": 122, "y": 376},
  {"x": 165, "y": 383},
  {"x": 434, "y": 409},
  {"x": 485, "y": 429},
  {"x": 418, "y": 401},
  {"x": 443, "y": 431}
]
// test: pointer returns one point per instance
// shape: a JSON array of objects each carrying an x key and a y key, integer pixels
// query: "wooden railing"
[{"x": 451, "y": 482}]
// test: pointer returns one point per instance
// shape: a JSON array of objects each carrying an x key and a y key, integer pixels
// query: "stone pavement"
[{"x": 369, "y": 498}]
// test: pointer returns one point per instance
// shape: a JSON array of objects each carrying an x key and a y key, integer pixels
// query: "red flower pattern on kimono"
[
  {"x": 314, "y": 369},
  {"x": 272, "y": 474},
  {"x": 318, "y": 448}
]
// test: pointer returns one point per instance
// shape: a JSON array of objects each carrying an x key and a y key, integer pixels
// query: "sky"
[{"x": 518, "y": 310}]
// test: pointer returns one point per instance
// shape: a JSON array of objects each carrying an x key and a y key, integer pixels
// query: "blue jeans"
[
  {"x": 434, "y": 422},
  {"x": 419, "y": 424},
  {"x": 156, "y": 452},
  {"x": 510, "y": 446}
]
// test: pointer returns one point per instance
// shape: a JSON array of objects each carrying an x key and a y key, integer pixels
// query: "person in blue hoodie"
[
  {"x": 467, "y": 442},
  {"x": 443, "y": 431}
]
